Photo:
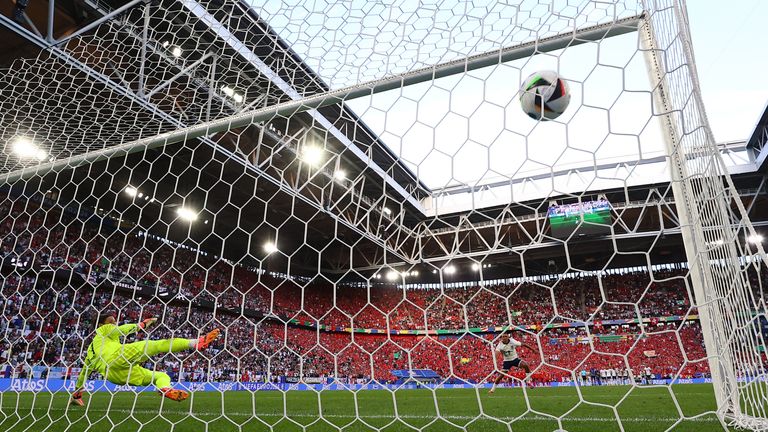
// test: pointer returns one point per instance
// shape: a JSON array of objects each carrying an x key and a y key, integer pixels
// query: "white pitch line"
[{"x": 75, "y": 410}]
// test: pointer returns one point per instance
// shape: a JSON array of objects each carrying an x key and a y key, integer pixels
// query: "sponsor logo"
[
  {"x": 27, "y": 385},
  {"x": 226, "y": 386},
  {"x": 259, "y": 386},
  {"x": 124, "y": 388},
  {"x": 196, "y": 386}
]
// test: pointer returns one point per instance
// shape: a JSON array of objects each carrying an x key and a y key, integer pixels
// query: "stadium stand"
[{"x": 49, "y": 323}]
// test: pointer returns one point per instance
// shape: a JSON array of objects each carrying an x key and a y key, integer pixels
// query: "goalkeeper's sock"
[
  {"x": 161, "y": 380},
  {"x": 179, "y": 344}
]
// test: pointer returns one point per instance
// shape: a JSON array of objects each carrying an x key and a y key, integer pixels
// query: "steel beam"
[
  {"x": 181, "y": 73},
  {"x": 99, "y": 21},
  {"x": 51, "y": 16},
  {"x": 23, "y": 32}
]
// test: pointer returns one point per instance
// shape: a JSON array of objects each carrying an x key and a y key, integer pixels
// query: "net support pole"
[
  {"x": 723, "y": 375},
  {"x": 524, "y": 50}
]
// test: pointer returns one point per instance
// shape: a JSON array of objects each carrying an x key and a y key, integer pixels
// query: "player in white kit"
[{"x": 508, "y": 349}]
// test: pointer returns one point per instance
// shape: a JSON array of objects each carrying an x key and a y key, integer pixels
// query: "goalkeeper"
[{"x": 120, "y": 363}]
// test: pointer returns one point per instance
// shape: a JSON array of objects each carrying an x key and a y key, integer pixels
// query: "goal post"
[{"x": 713, "y": 219}]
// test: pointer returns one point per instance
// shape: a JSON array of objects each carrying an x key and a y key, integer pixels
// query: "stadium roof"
[
  {"x": 465, "y": 136},
  {"x": 758, "y": 141}
]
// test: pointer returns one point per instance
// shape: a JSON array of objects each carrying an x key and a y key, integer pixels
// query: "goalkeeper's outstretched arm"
[
  {"x": 84, "y": 373},
  {"x": 127, "y": 329},
  {"x": 77, "y": 396}
]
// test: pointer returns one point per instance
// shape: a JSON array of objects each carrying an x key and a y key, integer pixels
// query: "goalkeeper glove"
[{"x": 147, "y": 322}]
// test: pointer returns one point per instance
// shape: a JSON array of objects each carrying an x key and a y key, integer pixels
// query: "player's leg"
[
  {"x": 499, "y": 377},
  {"x": 505, "y": 366},
  {"x": 138, "y": 352},
  {"x": 522, "y": 364},
  {"x": 139, "y": 376}
]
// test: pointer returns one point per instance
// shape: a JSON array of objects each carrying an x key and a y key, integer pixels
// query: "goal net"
[{"x": 353, "y": 194}]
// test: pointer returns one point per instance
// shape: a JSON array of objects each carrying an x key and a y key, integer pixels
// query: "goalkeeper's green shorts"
[
  {"x": 135, "y": 375},
  {"x": 124, "y": 362}
]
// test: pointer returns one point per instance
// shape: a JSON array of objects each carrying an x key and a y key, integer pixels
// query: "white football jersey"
[{"x": 509, "y": 351}]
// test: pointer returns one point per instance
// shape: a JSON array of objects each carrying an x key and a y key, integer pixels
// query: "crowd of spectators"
[
  {"x": 54, "y": 239},
  {"x": 50, "y": 321}
]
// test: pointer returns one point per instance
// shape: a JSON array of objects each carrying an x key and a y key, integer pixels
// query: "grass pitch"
[{"x": 594, "y": 409}]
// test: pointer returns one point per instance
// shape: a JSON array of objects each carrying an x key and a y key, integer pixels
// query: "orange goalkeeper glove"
[{"x": 147, "y": 322}]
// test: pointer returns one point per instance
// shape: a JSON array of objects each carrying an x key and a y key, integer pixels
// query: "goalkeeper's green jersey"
[{"x": 104, "y": 349}]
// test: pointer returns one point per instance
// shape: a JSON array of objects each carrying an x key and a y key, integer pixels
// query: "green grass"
[{"x": 641, "y": 410}]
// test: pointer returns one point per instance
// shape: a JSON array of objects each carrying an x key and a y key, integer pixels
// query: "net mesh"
[{"x": 353, "y": 195}]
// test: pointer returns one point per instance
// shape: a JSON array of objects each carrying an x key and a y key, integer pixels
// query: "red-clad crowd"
[{"x": 50, "y": 323}]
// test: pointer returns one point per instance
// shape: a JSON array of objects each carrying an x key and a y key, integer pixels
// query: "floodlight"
[
  {"x": 26, "y": 149},
  {"x": 186, "y": 214},
  {"x": 312, "y": 155}
]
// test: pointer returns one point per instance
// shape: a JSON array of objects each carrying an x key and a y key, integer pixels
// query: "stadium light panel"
[
  {"x": 755, "y": 239},
  {"x": 311, "y": 154},
  {"x": 387, "y": 210},
  {"x": 26, "y": 149},
  {"x": 131, "y": 191},
  {"x": 186, "y": 214},
  {"x": 230, "y": 92},
  {"x": 450, "y": 270},
  {"x": 392, "y": 275},
  {"x": 165, "y": 44},
  {"x": 475, "y": 266},
  {"x": 176, "y": 51},
  {"x": 270, "y": 247},
  {"x": 340, "y": 174}
]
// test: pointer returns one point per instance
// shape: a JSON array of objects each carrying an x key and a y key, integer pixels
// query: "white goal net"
[{"x": 353, "y": 194}]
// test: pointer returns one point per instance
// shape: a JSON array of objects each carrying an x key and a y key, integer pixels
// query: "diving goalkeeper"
[{"x": 120, "y": 363}]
